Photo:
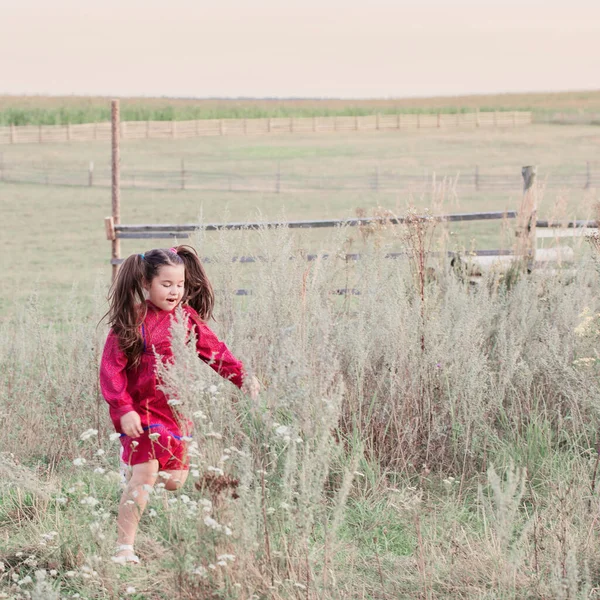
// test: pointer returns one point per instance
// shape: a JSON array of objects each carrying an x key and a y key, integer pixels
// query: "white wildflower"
[
  {"x": 174, "y": 402},
  {"x": 53, "y": 572},
  {"x": 2, "y": 567},
  {"x": 221, "y": 563},
  {"x": 154, "y": 436},
  {"x": 227, "y": 530},
  {"x": 184, "y": 498},
  {"x": 213, "y": 389},
  {"x": 216, "y": 470},
  {"x": 100, "y": 452},
  {"x": 214, "y": 434},
  {"x": 152, "y": 513},
  {"x": 100, "y": 470},
  {"x": 79, "y": 462},
  {"x": 89, "y": 501},
  {"x": 199, "y": 415},
  {"x": 187, "y": 438},
  {"x": 135, "y": 444},
  {"x": 89, "y": 433},
  {"x": 164, "y": 475},
  {"x": 195, "y": 473},
  {"x": 25, "y": 580},
  {"x": 229, "y": 557},
  {"x": 201, "y": 571},
  {"x": 60, "y": 500},
  {"x": 130, "y": 590},
  {"x": 114, "y": 436},
  {"x": 70, "y": 574},
  {"x": 210, "y": 522}
]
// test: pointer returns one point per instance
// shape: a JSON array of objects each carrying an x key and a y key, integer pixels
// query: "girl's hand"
[
  {"x": 131, "y": 424},
  {"x": 251, "y": 387}
]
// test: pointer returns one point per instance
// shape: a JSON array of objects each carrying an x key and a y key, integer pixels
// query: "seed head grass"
[{"x": 425, "y": 437}]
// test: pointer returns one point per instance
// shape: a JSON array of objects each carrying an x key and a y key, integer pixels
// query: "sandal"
[{"x": 123, "y": 559}]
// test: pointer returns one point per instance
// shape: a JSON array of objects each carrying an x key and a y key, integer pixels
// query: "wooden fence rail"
[
  {"x": 280, "y": 179},
  {"x": 138, "y": 130}
]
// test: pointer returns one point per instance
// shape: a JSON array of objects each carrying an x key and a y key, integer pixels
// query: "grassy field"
[
  {"x": 409, "y": 442},
  {"x": 40, "y": 110},
  {"x": 59, "y": 234},
  {"x": 404, "y": 446}
]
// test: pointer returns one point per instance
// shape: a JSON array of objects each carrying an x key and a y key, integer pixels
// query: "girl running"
[{"x": 147, "y": 290}]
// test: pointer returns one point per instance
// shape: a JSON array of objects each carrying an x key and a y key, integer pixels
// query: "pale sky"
[{"x": 307, "y": 48}]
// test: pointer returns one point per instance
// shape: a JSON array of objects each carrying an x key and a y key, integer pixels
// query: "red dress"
[{"x": 126, "y": 389}]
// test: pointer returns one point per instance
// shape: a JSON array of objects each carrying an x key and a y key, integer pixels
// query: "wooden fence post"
[
  {"x": 173, "y": 129},
  {"x": 268, "y": 124},
  {"x": 116, "y": 181},
  {"x": 221, "y": 127},
  {"x": 91, "y": 174},
  {"x": 588, "y": 176},
  {"x": 439, "y": 120},
  {"x": 314, "y": 123},
  {"x": 527, "y": 218},
  {"x": 477, "y": 124},
  {"x": 147, "y": 129}
]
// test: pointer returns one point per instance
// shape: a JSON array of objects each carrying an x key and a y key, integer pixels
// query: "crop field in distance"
[
  {"x": 40, "y": 110},
  {"x": 422, "y": 438}
]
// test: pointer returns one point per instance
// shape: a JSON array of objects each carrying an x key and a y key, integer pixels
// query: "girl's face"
[{"x": 166, "y": 290}]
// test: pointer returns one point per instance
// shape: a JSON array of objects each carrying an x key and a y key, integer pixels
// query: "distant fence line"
[
  {"x": 134, "y": 130},
  {"x": 278, "y": 180}
]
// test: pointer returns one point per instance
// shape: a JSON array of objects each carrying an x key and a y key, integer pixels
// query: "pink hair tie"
[{"x": 173, "y": 250}]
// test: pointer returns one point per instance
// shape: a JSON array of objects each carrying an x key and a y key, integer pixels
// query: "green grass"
[{"x": 57, "y": 237}]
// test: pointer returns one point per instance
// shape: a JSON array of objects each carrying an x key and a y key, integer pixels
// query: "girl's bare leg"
[
  {"x": 133, "y": 502},
  {"x": 176, "y": 479}
]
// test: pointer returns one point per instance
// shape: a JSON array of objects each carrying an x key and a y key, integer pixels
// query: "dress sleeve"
[
  {"x": 113, "y": 378},
  {"x": 215, "y": 352}
]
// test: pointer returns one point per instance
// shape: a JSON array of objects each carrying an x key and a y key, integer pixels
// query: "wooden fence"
[
  {"x": 281, "y": 178},
  {"x": 136, "y": 130},
  {"x": 526, "y": 217}
]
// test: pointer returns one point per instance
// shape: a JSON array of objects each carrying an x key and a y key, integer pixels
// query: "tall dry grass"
[{"x": 418, "y": 437}]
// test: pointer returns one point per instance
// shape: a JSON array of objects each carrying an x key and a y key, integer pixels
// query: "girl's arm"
[
  {"x": 113, "y": 379},
  {"x": 215, "y": 352}
]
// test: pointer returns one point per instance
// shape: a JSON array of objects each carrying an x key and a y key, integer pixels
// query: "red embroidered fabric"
[{"x": 137, "y": 389}]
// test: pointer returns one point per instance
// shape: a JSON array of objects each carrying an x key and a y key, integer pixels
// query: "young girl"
[{"x": 151, "y": 436}]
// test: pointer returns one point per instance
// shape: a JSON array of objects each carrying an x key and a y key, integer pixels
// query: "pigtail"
[
  {"x": 127, "y": 308},
  {"x": 199, "y": 293}
]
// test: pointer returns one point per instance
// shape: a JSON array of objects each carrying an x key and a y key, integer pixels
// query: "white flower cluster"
[{"x": 88, "y": 434}]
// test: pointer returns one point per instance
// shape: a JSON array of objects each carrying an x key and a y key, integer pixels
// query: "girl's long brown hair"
[{"x": 127, "y": 306}]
